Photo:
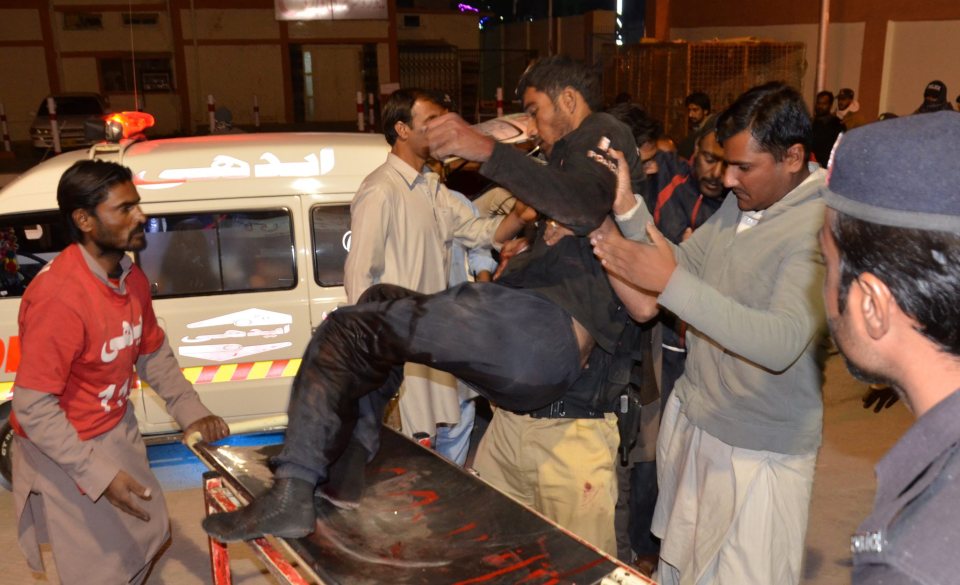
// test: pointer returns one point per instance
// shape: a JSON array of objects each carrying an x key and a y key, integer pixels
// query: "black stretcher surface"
[{"x": 422, "y": 521}]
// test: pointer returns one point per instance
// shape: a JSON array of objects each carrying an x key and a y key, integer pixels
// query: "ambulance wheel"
[{"x": 6, "y": 455}]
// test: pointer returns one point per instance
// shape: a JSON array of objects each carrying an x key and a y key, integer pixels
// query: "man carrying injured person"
[{"x": 531, "y": 333}]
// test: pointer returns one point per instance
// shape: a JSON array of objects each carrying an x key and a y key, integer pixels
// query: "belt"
[{"x": 562, "y": 409}]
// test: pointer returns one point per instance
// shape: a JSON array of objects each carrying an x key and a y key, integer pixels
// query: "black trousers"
[{"x": 513, "y": 346}]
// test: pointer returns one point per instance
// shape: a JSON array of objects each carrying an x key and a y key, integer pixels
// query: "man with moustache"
[
  {"x": 81, "y": 475},
  {"x": 740, "y": 433},
  {"x": 892, "y": 251}
]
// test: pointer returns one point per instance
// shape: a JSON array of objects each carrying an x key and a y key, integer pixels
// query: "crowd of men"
[{"x": 695, "y": 285}]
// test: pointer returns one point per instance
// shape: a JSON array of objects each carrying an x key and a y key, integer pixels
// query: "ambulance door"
[
  {"x": 28, "y": 242},
  {"x": 327, "y": 233},
  {"x": 229, "y": 282}
]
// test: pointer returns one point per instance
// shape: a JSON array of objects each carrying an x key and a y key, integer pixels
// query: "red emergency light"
[{"x": 127, "y": 124}]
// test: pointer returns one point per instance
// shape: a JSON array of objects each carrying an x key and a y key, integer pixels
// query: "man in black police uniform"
[{"x": 891, "y": 242}]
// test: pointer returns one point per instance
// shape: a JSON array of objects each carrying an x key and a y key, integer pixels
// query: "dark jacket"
[{"x": 912, "y": 536}]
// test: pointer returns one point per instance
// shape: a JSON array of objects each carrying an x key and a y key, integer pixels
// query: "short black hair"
[
  {"x": 84, "y": 186},
  {"x": 552, "y": 74},
  {"x": 920, "y": 267},
  {"x": 775, "y": 115},
  {"x": 827, "y": 93},
  {"x": 399, "y": 108},
  {"x": 642, "y": 125},
  {"x": 698, "y": 98}
]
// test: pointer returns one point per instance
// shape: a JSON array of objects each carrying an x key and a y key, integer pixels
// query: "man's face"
[
  {"x": 843, "y": 102},
  {"x": 708, "y": 166},
  {"x": 117, "y": 222},
  {"x": 695, "y": 114},
  {"x": 756, "y": 178},
  {"x": 548, "y": 122},
  {"x": 846, "y": 328},
  {"x": 648, "y": 162},
  {"x": 422, "y": 112},
  {"x": 823, "y": 105}
]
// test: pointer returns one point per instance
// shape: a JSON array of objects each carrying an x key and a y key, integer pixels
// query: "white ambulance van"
[{"x": 247, "y": 235}]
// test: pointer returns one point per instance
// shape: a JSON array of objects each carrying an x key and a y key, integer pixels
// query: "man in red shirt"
[{"x": 81, "y": 476}]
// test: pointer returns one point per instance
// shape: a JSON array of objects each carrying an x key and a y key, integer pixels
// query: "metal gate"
[{"x": 660, "y": 75}]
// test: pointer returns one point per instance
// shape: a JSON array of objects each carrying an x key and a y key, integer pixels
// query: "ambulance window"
[
  {"x": 200, "y": 254},
  {"x": 27, "y": 243},
  {"x": 331, "y": 242}
]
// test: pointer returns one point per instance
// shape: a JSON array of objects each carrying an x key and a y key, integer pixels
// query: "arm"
[
  {"x": 578, "y": 195},
  {"x": 575, "y": 191},
  {"x": 161, "y": 370},
  {"x": 369, "y": 224},
  {"x": 47, "y": 427},
  {"x": 773, "y": 338}
]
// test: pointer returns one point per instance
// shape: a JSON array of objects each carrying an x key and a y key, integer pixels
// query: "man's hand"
[
  {"x": 211, "y": 428},
  {"x": 449, "y": 135},
  {"x": 624, "y": 200},
  {"x": 555, "y": 232},
  {"x": 645, "y": 266},
  {"x": 508, "y": 251},
  {"x": 123, "y": 492}
]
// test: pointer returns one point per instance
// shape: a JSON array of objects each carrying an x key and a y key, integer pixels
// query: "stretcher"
[{"x": 422, "y": 520}]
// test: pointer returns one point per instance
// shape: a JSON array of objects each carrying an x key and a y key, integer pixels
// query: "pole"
[
  {"x": 360, "y": 118},
  {"x": 256, "y": 112},
  {"x": 499, "y": 102},
  {"x": 210, "y": 114},
  {"x": 372, "y": 112},
  {"x": 54, "y": 127},
  {"x": 6, "y": 131},
  {"x": 821, "y": 80}
]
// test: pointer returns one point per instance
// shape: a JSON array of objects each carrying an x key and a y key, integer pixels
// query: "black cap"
[
  {"x": 937, "y": 89},
  {"x": 845, "y": 93},
  {"x": 870, "y": 178}
]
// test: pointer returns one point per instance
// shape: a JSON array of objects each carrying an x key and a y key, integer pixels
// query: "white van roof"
[{"x": 211, "y": 167}]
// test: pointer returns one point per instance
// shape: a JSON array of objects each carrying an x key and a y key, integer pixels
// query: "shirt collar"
[
  {"x": 409, "y": 174},
  {"x": 125, "y": 265}
]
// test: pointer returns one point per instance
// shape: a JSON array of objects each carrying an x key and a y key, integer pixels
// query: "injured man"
[{"x": 530, "y": 333}]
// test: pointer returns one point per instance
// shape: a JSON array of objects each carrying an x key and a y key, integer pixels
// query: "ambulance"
[{"x": 246, "y": 240}]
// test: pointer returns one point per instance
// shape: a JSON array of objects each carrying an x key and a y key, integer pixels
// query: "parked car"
[{"x": 73, "y": 110}]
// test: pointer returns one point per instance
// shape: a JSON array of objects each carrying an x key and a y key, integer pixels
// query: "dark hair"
[
  {"x": 399, "y": 108},
  {"x": 920, "y": 267},
  {"x": 643, "y": 127},
  {"x": 827, "y": 93},
  {"x": 698, "y": 98},
  {"x": 553, "y": 74},
  {"x": 84, "y": 186},
  {"x": 775, "y": 115}
]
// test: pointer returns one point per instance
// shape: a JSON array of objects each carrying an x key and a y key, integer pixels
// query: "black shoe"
[
  {"x": 345, "y": 487},
  {"x": 286, "y": 510}
]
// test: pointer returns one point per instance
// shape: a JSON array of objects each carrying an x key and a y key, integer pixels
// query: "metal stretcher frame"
[
  {"x": 217, "y": 498},
  {"x": 422, "y": 520}
]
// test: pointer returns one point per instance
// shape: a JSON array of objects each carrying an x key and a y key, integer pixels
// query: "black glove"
[{"x": 879, "y": 396}]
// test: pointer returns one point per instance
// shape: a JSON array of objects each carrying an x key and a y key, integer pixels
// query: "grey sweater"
[{"x": 754, "y": 305}]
